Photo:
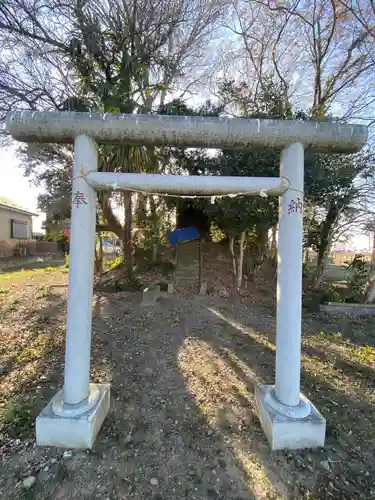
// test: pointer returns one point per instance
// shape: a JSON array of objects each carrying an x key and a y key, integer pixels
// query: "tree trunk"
[
  {"x": 154, "y": 252},
  {"x": 201, "y": 260},
  {"x": 263, "y": 242},
  {"x": 234, "y": 260},
  {"x": 240, "y": 261},
  {"x": 141, "y": 209},
  {"x": 273, "y": 249},
  {"x": 261, "y": 247},
  {"x": 320, "y": 270},
  {"x": 99, "y": 256},
  {"x": 370, "y": 290},
  {"x": 127, "y": 235},
  {"x": 306, "y": 256},
  {"x": 273, "y": 239},
  {"x": 113, "y": 223},
  {"x": 322, "y": 264},
  {"x": 176, "y": 259},
  {"x": 167, "y": 66},
  {"x": 153, "y": 207},
  {"x": 326, "y": 235}
]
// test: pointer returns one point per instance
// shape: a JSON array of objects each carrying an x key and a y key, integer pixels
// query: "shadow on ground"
[
  {"x": 31, "y": 266},
  {"x": 155, "y": 431},
  {"x": 182, "y": 421},
  {"x": 340, "y": 389}
]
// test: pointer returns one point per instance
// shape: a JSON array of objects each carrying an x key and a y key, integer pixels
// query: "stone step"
[{"x": 187, "y": 276}]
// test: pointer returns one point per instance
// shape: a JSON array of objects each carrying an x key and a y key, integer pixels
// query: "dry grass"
[{"x": 182, "y": 376}]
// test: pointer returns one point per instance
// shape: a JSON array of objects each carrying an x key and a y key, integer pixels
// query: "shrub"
[
  {"x": 358, "y": 271},
  {"x": 133, "y": 282},
  {"x": 305, "y": 270},
  {"x": 17, "y": 416},
  {"x": 217, "y": 234},
  {"x": 167, "y": 268},
  {"x": 117, "y": 262},
  {"x": 128, "y": 282},
  {"x": 330, "y": 294}
]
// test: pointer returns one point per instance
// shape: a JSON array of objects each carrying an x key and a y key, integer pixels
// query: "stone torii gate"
[{"x": 74, "y": 416}]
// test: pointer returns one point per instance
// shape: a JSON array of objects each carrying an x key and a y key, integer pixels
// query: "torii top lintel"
[{"x": 185, "y": 131}]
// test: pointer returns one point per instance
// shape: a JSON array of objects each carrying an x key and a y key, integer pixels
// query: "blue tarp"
[{"x": 186, "y": 234}]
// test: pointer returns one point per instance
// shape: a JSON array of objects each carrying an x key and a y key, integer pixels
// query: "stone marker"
[
  {"x": 203, "y": 289},
  {"x": 339, "y": 307},
  {"x": 150, "y": 295},
  {"x": 29, "y": 482}
]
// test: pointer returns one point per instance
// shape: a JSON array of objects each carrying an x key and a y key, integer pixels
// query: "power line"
[{"x": 369, "y": 118}]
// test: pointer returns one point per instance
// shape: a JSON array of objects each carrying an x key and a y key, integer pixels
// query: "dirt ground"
[{"x": 182, "y": 421}]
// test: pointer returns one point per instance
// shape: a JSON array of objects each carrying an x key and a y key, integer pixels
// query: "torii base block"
[
  {"x": 72, "y": 431},
  {"x": 288, "y": 431}
]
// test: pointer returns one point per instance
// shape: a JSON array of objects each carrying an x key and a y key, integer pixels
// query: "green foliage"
[
  {"x": 358, "y": 270},
  {"x": 330, "y": 184},
  {"x": 167, "y": 268},
  {"x": 133, "y": 282},
  {"x": 271, "y": 100},
  {"x": 305, "y": 270},
  {"x": 179, "y": 107},
  {"x": 26, "y": 273},
  {"x": 154, "y": 285},
  {"x": 216, "y": 234},
  {"x": 44, "y": 292},
  {"x": 118, "y": 287},
  {"x": 330, "y": 294},
  {"x": 364, "y": 354},
  {"x": 117, "y": 262},
  {"x": 233, "y": 215},
  {"x": 17, "y": 416},
  {"x": 330, "y": 335},
  {"x": 49, "y": 269},
  {"x": 128, "y": 282},
  {"x": 110, "y": 62},
  {"x": 163, "y": 286},
  {"x": 62, "y": 472},
  {"x": 329, "y": 178},
  {"x": 154, "y": 226},
  {"x": 67, "y": 261},
  {"x": 150, "y": 236}
]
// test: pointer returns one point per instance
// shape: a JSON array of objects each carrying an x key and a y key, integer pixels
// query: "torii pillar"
[{"x": 74, "y": 416}]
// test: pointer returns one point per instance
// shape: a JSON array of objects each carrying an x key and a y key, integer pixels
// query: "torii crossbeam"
[{"x": 74, "y": 416}]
